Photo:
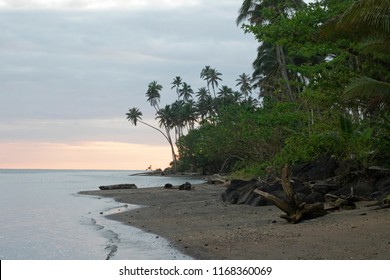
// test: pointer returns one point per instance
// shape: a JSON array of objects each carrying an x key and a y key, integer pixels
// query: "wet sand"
[{"x": 199, "y": 224}]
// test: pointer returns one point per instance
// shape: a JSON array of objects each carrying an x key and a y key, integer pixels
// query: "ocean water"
[{"x": 43, "y": 217}]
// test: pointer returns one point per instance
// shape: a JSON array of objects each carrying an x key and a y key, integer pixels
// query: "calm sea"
[{"x": 42, "y": 217}]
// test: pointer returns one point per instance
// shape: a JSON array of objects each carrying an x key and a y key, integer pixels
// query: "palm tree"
[
  {"x": 367, "y": 23},
  {"x": 202, "y": 94},
  {"x": 153, "y": 94},
  {"x": 204, "y": 104},
  {"x": 189, "y": 114},
  {"x": 134, "y": 115},
  {"x": 250, "y": 102},
  {"x": 244, "y": 81},
  {"x": 177, "y": 81},
  {"x": 266, "y": 12},
  {"x": 364, "y": 18},
  {"x": 165, "y": 119},
  {"x": 205, "y": 74},
  {"x": 213, "y": 78},
  {"x": 266, "y": 75},
  {"x": 225, "y": 92},
  {"x": 186, "y": 92}
]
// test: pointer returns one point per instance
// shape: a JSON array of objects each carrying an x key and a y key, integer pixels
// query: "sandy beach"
[{"x": 199, "y": 224}]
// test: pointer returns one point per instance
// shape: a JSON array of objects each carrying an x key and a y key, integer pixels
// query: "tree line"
[{"x": 322, "y": 82}]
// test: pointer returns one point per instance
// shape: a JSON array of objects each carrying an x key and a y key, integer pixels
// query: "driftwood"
[
  {"x": 339, "y": 202},
  {"x": 118, "y": 187},
  {"x": 295, "y": 209}
]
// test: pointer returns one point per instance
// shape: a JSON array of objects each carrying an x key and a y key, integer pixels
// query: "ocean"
[{"x": 42, "y": 217}]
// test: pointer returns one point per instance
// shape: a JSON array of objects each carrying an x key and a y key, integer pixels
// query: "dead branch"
[{"x": 295, "y": 209}]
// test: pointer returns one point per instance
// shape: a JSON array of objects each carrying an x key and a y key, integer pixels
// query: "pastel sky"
[{"x": 71, "y": 69}]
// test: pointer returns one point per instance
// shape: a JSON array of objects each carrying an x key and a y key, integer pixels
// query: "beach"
[{"x": 201, "y": 225}]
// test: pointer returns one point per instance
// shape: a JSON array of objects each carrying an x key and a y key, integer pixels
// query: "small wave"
[
  {"x": 91, "y": 222},
  {"x": 112, "y": 250},
  {"x": 113, "y": 240}
]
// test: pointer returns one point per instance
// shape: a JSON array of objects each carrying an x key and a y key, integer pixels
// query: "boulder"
[
  {"x": 317, "y": 170},
  {"x": 186, "y": 186}
]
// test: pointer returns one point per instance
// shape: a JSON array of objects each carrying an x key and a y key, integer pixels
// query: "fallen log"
[
  {"x": 118, "y": 187},
  {"x": 295, "y": 209}
]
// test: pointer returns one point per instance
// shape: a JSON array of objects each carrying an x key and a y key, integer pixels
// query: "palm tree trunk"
[
  {"x": 155, "y": 128},
  {"x": 167, "y": 136},
  {"x": 283, "y": 70},
  {"x": 172, "y": 149}
]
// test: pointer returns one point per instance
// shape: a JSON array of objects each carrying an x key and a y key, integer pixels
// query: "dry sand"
[{"x": 199, "y": 224}]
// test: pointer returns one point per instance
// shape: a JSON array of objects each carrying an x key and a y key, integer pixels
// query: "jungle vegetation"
[{"x": 320, "y": 87}]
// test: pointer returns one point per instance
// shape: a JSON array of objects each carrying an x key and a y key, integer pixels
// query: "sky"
[{"x": 71, "y": 69}]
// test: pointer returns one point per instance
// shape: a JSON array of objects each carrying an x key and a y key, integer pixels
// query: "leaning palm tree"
[
  {"x": 153, "y": 94},
  {"x": 134, "y": 115}
]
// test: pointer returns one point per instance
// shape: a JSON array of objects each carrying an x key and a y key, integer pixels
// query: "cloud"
[
  {"x": 69, "y": 73},
  {"x": 95, "y": 4},
  {"x": 74, "y": 64}
]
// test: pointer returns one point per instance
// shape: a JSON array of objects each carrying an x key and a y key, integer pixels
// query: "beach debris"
[
  {"x": 118, "y": 187},
  {"x": 339, "y": 202},
  {"x": 295, "y": 208}
]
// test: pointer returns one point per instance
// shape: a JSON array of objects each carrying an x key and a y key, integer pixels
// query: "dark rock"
[
  {"x": 168, "y": 186},
  {"x": 256, "y": 200},
  {"x": 312, "y": 181},
  {"x": 383, "y": 186},
  {"x": 186, "y": 186},
  {"x": 314, "y": 197},
  {"x": 240, "y": 191},
  {"x": 317, "y": 170},
  {"x": 343, "y": 191},
  {"x": 118, "y": 187},
  {"x": 323, "y": 187}
]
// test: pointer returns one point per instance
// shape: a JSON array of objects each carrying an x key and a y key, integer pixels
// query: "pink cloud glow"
[{"x": 86, "y": 155}]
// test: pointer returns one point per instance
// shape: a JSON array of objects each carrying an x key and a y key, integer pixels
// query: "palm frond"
[
  {"x": 367, "y": 14},
  {"x": 378, "y": 47},
  {"x": 367, "y": 88},
  {"x": 362, "y": 18}
]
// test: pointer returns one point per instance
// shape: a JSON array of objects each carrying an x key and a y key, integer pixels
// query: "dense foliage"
[{"x": 322, "y": 83}]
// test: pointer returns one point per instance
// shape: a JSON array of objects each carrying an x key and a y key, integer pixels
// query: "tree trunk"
[{"x": 283, "y": 71}]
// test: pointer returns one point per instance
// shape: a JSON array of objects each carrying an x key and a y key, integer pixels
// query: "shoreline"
[{"x": 200, "y": 225}]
